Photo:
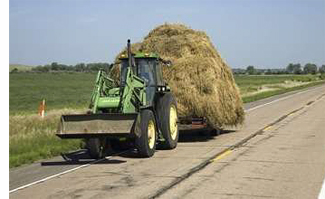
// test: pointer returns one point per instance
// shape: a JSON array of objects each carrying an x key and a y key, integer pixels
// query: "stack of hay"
[{"x": 201, "y": 81}]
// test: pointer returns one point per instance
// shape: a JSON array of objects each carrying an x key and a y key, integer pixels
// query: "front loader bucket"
[{"x": 96, "y": 125}]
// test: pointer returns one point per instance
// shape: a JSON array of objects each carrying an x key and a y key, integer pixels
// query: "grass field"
[
  {"x": 60, "y": 90},
  {"x": 32, "y": 138}
]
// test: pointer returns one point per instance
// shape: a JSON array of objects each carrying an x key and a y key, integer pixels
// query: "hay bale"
[{"x": 201, "y": 81}]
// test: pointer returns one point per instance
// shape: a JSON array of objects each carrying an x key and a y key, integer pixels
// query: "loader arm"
[
  {"x": 102, "y": 85},
  {"x": 133, "y": 93}
]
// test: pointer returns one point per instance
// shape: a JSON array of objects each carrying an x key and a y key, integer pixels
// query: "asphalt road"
[{"x": 277, "y": 153}]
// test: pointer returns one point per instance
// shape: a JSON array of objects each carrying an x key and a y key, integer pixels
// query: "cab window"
[{"x": 145, "y": 69}]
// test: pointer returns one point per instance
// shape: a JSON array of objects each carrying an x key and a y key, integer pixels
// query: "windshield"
[{"x": 145, "y": 70}]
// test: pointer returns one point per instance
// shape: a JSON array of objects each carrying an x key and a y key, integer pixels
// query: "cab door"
[{"x": 146, "y": 71}]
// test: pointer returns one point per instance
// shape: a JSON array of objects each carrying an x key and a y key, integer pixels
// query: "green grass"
[
  {"x": 39, "y": 146},
  {"x": 32, "y": 138},
  {"x": 60, "y": 90}
]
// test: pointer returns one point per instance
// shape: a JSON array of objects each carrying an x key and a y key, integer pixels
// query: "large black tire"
[
  {"x": 167, "y": 121},
  {"x": 146, "y": 133},
  {"x": 96, "y": 147}
]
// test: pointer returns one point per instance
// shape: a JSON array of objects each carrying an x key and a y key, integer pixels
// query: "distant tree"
[
  {"x": 97, "y": 66},
  {"x": 80, "y": 67},
  {"x": 54, "y": 66},
  {"x": 268, "y": 72},
  {"x": 15, "y": 70},
  {"x": 290, "y": 68},
  {"x": 322, "y": 69},
  {"x": 250, "y": 70},
  {"x": 293, "y": 69},
  {"x": 283, "y": 72},
  {"x": 310, "y": 69},
  {"x": 70, "y": 68},
  {"x": 238, "y": 71},
  {"x": 62, "y": 67},
  {"x": 46, "y": 68},
  {"x": 297, "y": 69},
  {"x": 91, "y": 67}
]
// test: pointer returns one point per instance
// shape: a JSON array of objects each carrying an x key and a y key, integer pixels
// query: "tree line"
[
  {"x": 81, "y": 67},
  {"x": 308, "y": 68}
]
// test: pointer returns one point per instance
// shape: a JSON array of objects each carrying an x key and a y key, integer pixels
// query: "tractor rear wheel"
[
  {"x": 167, "y": 116},
  {"x": 146, "y": 134},
  {"x": 96, "y": 147}
]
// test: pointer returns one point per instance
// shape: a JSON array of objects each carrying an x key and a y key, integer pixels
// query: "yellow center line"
[
  {"x": 222, "y": 155},
  {"x": 267, "y": 128}
]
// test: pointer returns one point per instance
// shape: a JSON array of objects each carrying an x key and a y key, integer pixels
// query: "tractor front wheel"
[
  {"x": 96, "y": 147},
  {"x": 146, "y": 134}
]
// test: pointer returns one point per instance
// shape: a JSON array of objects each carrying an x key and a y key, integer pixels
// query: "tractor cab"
[{"x": 146, "y": 66}]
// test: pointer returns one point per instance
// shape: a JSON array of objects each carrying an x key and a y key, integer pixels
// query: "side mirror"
[{"x": 168, "y": 63}]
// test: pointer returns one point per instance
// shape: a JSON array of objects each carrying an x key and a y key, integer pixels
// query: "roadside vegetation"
[
  {"x": 255, "y": 87},
  {"x": 278, "y": 91},
  {"x": 32, "y": 138}
]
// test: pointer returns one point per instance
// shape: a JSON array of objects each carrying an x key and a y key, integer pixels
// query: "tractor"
[{"x": 140, "y": 108}]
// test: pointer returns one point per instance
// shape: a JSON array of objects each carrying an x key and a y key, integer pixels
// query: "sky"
[{"x": 262, "y": 33}]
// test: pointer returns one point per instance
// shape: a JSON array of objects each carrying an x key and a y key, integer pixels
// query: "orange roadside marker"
[{"x": 41, "y": 109}]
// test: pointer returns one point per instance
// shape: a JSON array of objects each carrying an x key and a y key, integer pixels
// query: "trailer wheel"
[
  {"x": 146, "y": 134},
  {"x": 167, "y": 116},
  {"x": 96, "y": 147}
]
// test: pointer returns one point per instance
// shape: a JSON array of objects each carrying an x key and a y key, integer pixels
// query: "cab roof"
[{"x": 140, "y": 55}]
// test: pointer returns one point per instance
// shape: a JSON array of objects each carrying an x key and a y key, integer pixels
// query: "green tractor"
[{"x": 141, "y": 109}]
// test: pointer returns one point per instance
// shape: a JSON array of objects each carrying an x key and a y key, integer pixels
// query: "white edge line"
[
  {"x": 280, "y": 99},
  {"x": 322, "y": 191},
  {"x": 56, "y": 175}
]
